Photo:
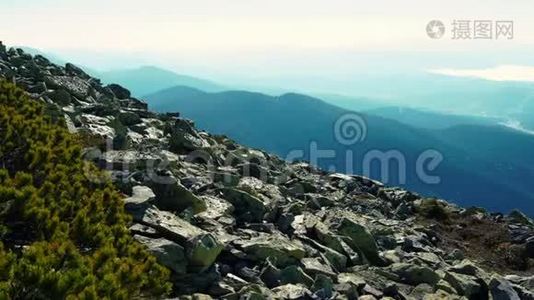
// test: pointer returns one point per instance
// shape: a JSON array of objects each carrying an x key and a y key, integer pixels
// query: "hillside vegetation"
[{"x": 61, "y": 234}]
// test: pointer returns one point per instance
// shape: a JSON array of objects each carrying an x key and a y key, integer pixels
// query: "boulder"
[
  {"x": 529, "y": 247},
  {"x": 76, "y": 71},
  {"x": 38, "y": 88},
  {"x": 295, "y": 275},
  {"x": 183, "y": 138},
  {"x": 421, "y": 290},
  {"x": 143, "y": 230},
  {"x": 140, "y": 195},
  {"x": 327, "y": 237},
  {"x": 441, "y": 295},
  {"x": 119, "y": 91},
  {"x": 352, "y": 279},
  {"x": 75, "y": 86},
  {"x": 61, "y": 97},
  {"x": 248, "y": 208},
  {"x": 467, "y": 267},
  {"x": 216, "y": 207},
  {"x": 464, "y": 285},
  {"x": 201, "y": 248},
  {"x": 199, "y": 296},
  {"x": 322, "y": 286},
  {"x": 360, "y": 239},
  {"x": 291, "y": 292},
  {"x": 167, "y": 223},
  {"x": 314, "y": 266},
  {"x": 129, "y": 118},
  {"x": 2, "y": 50},
  {"x": 414, "y": 274},
  {"x": 138, "y": 105},
  {"x": 527, "y": 282},
  {"x": 445, "y": 286},
  {"x": 502, "y": 289},
  {"x": 202, "y": 251},
  {"x": 279, "y": 249},
  {"x": 168, "y": 253},
  {"x": 346, "y": 291},
  {"x": 255, "y": 291},
  {"x": 172, "y": 195}
]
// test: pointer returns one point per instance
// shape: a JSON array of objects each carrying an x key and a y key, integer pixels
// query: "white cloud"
[{"x": 498, "y": 73}]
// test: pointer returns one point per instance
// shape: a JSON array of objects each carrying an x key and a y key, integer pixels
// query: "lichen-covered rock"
[
  {"x": 502, "y": 289},
  {"x": 202, "y": 251},
  {"x": 140, "y": 195},
  {"x": 168, "y": 253},
  {"x": 279, "y": 249},
  {"x": 167, "y": 223},
  {"x": 248, "y": 208},
  {"x": 291, "y": 292},
  {"x": 360, "y": 239},
  {"x": 414, "y": 274},
  {"x": 464, "y": 285},
  {"x": 172, "y": 195}
]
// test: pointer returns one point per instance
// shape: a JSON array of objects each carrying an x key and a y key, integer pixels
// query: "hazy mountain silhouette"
[
  {"x": 431, "y": 120},
  {"x": 149, "y": 79}
]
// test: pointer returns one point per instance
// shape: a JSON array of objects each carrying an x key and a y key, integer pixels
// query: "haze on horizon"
[{"x": 289, "y": 44}]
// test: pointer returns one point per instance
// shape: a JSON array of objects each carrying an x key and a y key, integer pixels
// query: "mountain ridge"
[{"x": 148, "y": 79}]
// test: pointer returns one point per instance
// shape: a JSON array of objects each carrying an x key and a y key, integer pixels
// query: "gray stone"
[
  {"x": 168, "y": 253},
  {"x": 216, "y": 208},
  {"x": 119, "y": 91},
  {"x": 464, "y": 285},
  {"x": 352, "y": 279},
  {"x": 61, "y": 97},
  {"x": 502, "y": 289},
  {"x": 76, "y": 71},
  {"x": 202, "y": 251},
  {"x": 322, "y": 286},
  {"x": 248, "y": 208},
  {"x": 140, "y": 195},
  {"x": 295, "y": 275},
  {"x": 278, "y": 248},
  {"x": 360, "y": 239},
  {"x": 414, "y": 274},
  {"x": 291, "y": 292},
  {"x": 167, "y": 223},
  {"x": 313, "y": 266},
  {"x": 172, "y": 195},
  {"x": 129, "y": 118}
]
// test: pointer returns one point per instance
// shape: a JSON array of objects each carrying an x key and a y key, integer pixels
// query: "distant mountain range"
[
  {"x": 149, "y": 79},
  {"x": 430, "y": 119},
  {"x": 477, "y": 167},
  {"x": 465, "y": 96},
  {"x": 140, "y": 81}
]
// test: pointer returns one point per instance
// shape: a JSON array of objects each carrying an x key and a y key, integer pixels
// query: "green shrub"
[{"x": 61, "y": 234}]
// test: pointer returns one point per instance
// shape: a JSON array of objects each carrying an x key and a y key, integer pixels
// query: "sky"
[{"x": 276, "y": 42}]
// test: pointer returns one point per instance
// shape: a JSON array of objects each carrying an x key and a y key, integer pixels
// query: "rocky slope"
[{"x": 237, "y": 223}]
